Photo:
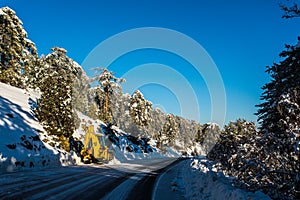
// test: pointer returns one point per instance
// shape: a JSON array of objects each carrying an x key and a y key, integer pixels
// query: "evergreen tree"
[
  {"x": 140, "y": 109},
  {"x": 108, "y": 84},
  {"x": 279, "y": 117},
  {"x": 157, "y": 122},
  {"x": 121, "y": 113},
  {"x": 234, "y": 145},
  {"x": 186, "y": 138},
  {"x": 17, "y": 52},
  {"x": 34, "y": 73},
  {"x": 268, "y": 160},
  {"x": 279, "y": 114},
  {"x": 169, "y": 131},
  {"x": 199, "y": 136},
  {"x": 55, "y": 108},
  {"x": 96, "y": 105},
  {"x": 92, "y": 110},
  {"x": 80, "y": 89}
]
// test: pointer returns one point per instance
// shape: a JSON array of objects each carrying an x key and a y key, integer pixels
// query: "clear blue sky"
[{"x": 241, "y": 36}]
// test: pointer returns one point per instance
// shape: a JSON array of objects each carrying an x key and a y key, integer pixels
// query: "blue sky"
[{"x": 241, "y": 37}]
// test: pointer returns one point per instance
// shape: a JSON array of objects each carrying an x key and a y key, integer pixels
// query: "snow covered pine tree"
[
  {"x": 17, "y": 52},
  {"x": 279, "y": 117},
  {"x": 140, "y": 109},
  {"x": 55, "y": 109},
  {"x": 169, "y": 132},
  {"x": 108, "y": 84}
]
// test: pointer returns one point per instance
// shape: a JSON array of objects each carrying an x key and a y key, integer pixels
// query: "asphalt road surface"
[{"x": 146, "y": 179}]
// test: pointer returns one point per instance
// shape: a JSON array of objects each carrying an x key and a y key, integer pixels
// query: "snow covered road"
[
  {"x": 164, "y": 178},
  {"x": 134, "y": 180}
]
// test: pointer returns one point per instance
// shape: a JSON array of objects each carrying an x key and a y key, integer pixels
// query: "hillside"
[
  {"x": 25, "y": 144},
  {"x": 21, "y": 134}
]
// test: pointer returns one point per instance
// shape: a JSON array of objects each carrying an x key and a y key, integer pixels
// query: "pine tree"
[
  {"x": 170, "y": 130},
  {"x": 140, "y": 109},
  {"x": 55, "y": 107},
  {"x": 121, "y": 113},
  {"x": 279, "y": 117},
  {"x": 17, "y": 52},
  {"x": 188, "y": 130},
  {"x": 96, "y": 105},
  {"x": 157, "y": 122},
  {"x": 108, "y": 84},
  {"x": 279, "y": 114},
  {"x": 81, "y": 87},
  {"x": 268, "y": 160},
  {"x": 234, "y": 145}
]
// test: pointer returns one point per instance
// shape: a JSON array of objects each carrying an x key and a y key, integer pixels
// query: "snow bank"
[
  {"x": 201, "y": 181},
  {"x": 120, "y": 153},
  {"x": 25, "y": 144},
  {"x": 21, "y": 143},
  {"x": 124, "y": 156}
]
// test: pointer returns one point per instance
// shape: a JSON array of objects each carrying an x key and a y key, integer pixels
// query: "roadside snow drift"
[{"x": 202, "y": 181}]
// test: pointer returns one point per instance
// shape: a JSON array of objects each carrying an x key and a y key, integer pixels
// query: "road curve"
[{"x": 132, "y": 180}]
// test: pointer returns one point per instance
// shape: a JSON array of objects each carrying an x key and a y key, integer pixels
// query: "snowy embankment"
[
  {"x": 21, "y": 135},
  {"x": 120, "y": 153},
  {"x": 23, "y": 140},
  {"x": 196, "y": 178},
  {"x": 201, "y": 181}
]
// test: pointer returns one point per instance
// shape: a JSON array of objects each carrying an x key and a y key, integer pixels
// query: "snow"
[
  {"x": 21, "y": 145},
  {"x": 201, "y": 181},
  {"x": 196, "y": 178},
  {"x": 120, "y": 154},
  {"x": 123, "y": 189},
  {"x": 17, "y": 119},
  {"x": 134, "y": 105},
  {"x": 1, "y": 12}
]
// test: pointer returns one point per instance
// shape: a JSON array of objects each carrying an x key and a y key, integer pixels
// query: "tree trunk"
[{"x": 106, "y": 105}]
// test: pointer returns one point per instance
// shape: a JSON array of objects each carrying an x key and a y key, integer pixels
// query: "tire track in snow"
[
  {"x": 13, "y": 183},
  {"x": 61, "y": 191},
  {"x": 123, "y": 189},
  {"x": 85, "y": 182},
  {"x": 27, "y": 188},
  {"x": 14, "y": 178},
  {"x": 144, "y": 188},
  {"x": 92, "y": 189},
  {"x": 59, "y": 183}
]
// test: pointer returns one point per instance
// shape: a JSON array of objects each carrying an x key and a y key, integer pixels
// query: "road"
[{"x": 146, "y": 179}]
